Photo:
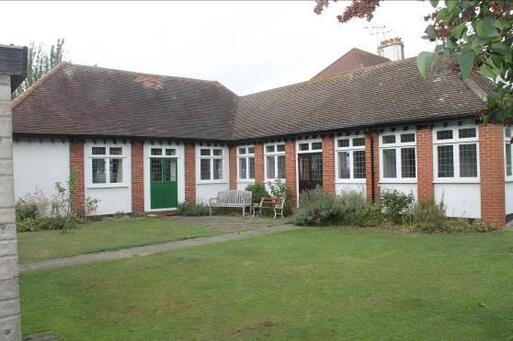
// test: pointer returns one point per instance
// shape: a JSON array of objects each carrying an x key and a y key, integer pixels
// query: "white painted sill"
[{"x": 107, "y": 186}]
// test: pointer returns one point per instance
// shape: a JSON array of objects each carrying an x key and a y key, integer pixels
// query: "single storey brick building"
[{"x": 145, "y": 143}]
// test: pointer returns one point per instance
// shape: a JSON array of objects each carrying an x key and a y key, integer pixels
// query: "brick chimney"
[{"x": 392, "y": 49}]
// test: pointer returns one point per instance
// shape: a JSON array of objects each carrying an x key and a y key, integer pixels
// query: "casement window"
[
  {"x": 508, "y": 157},
  {"x": 274, "y": 155},
  {"x": 246, "y": 163},
  {"x": 106, "y": 162},
  {"x": 350, "y": 158},
  {"x": 398, "y": 156},
  {"x": 211, "y": 163},
  {"x": 456, "y": 153}
]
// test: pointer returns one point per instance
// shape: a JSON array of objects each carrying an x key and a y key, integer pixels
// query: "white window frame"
[
  {"x": 246, "y": 158},
  {"x": 350, "y": 149},
  {"x": 508, "y": 178},
  {"x": 211, "y": 157},
  {"x": 274, "y": 154},
  {"x": 107, "y": 157},
  {"x": 455, "y": 142},
  {"x": 397, "y": 146},
  {"x": 310, "y": 149}
]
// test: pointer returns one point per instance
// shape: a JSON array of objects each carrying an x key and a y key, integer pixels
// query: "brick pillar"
[
  {"x": 77, "y": 169},
  {"x": 290, "y": 169},
  {"x": 328, "y": 164},
  {"x": 10, "y": 327},
  {"x": 425, "y": 188},
  {"x": 259, "y": 163},
  {"x": 190, "y": 172},
  {"x": 491, "y": 160},
  {"x": 233, "y": 167},
  {"x": 372, "y": 166},
  {"x": 137, "y": 178}
]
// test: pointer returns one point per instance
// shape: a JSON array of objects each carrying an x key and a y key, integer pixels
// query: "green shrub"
[
  {"x": 258, "y": 192},
  {"x": 26, "y": 210},
  {"x": 427, "y": 216},
  {"x": 368, "y": 216},
  {"x": 395, "y": 204},
  {"x": 280, "y": 189},
  {"x": 325, "y": 210},
  {"x": 190, "y": 208}
]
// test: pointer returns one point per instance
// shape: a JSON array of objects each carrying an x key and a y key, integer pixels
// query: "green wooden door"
[{"x": 163, "y": 183}]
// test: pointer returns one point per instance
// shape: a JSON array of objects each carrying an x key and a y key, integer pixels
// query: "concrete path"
[{"x": 149, "y": 249}]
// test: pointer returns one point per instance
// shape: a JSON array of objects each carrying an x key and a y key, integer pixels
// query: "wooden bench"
[
  {"x": 275, "y": 203},
  {"x": 240, "y": 199}
]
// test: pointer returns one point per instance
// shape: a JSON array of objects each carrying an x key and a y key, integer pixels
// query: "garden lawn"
[
  {"x": 107, "y": 234},
  {"x": 306, "y": 284}
]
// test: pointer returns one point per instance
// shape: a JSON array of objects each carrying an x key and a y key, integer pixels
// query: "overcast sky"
[{"x": 247, "y": 46}]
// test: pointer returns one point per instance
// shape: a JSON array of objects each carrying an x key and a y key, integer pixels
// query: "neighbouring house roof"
[
  {"x": 13, "y": 62},
  {"x": 93, "y": 101},
  {"x": 353, "y": 60}
]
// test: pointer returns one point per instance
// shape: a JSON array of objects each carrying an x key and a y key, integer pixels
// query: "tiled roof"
[
  {"x": 84, "y": 100},
  {"x": 93, "y": 101},
  {"x": 353, "y": 60}
]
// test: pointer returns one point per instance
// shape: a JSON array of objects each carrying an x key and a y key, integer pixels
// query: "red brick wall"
[
  {"x": 233, "y": 167},
  {"x": 328, "y": 164},
  {"x": 372, "y": 166},
  {"x": 425, "y": 164},
  {"x": 137, "y": 178},
  {"x": 259, "y": 163},
  {"x": 491, "y": 159},
  {"x": 190, "y": 172},
  {"x": 290, "y": 169},
  {"x": 77, "y": 168}
]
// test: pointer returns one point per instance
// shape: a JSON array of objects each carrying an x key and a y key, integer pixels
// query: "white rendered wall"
[
  {"x": 209, "y": 189},
  {"x": 461, "y": 200},
  {"x": 341, "y": 187},
  {"x": 39, "y": 165},
  {"x": 113, "y": 198},
  {"x": 509, "y": 197},
  {"x": 241, "y": 185},
  {"x": 180, "y": 155}
]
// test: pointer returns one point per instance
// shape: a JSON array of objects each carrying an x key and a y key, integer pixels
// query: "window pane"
[
  {"x": 218, "y": 152},
  {"x": 281, "y": 166},
  {"x": 407, "y": 138},
  {"x": 242, "y": 168},
  {"x": 359, "y": 141},
  {"x": 388, "y": 139},
  {"x": 316, "y": 145},
  {"x": 508, "y": 132},
  {"x": 251, "y": 168},
  {"x": 98, "y": 151},
  {"x": 343, "y": 143},
  {"x": 444, "y": 135},
  {"x": 304, "y": 146},
  {"x": 389, "y": 163},
  {"x": 280, "y": 148},
  {"x": 468, "y": 160},
  {"x": 359, "y": 164},
  {"x": 205, "y": 169},
  {"x": 242, "y": 151},
  {"x": 445, "y": 162},
  {"x": 166, "y": 174},
  {"x": 116, "y": 170},
  {"x": 343, "y": 165},
  {"x": 218, "y": 169},
  {"x": 170, "y": 151},
  {"x": 156, "y": 151},
  {"x": 99, "y": 175},
  {"x": 408, "y": 163},
  {"x": 251, "y": 150},
  {"x": 270, "y": 167},
  {"x": 467, "y": 133},
  {"x": 172, "y": 170},
  {"x": 156, "y": 170},
  {"x": 508, "y": 160},
  {"x": 115, "y": 151},
  {"x": 205, "y": 152},
  {"x": 269, "y": 149}
]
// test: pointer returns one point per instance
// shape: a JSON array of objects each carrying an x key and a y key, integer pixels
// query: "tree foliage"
[
  {"x": 472, "y": 36},
  {"x": 39, "y": 62}
]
